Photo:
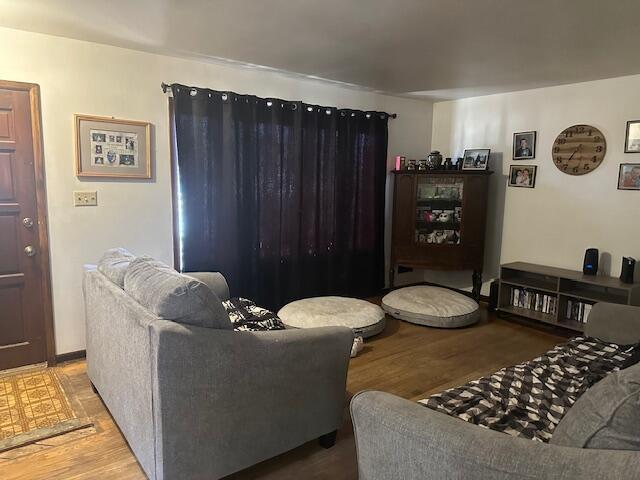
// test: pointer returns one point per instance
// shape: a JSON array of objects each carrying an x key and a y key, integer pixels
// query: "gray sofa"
[
  {"x": 400, "y": 439},
  {"x": 201, "y": 403}
]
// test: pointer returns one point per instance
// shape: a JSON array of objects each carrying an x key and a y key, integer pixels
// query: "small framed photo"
[
  {"x": 476, "y": 159},
  {"x": 523, "y": 176},
  {"x": 524, "y": 145},
  {"x": 629, "y": 176},
  {"x": 632, "y": 139},
  {"x": 112, "y": 148}
]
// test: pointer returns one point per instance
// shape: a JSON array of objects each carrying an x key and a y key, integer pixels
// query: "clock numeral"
[
  {"x": 594, "y": 159},
  {"x": 569, "y": 134},
  {"x": 565, "y": 167},
  {"x": 597, "y": 139},
  {"x": 561, "y": 141},
  {"x": 590, "y": 132},
  {"x": 599, "y": 148},
  {"x": 559, "y": 160},
  {"x": 586, "y": 167},
  {"x": 580, "y": 129},
  {"x": 575, "y": 169},
  {"x": 556, "y": 149}
]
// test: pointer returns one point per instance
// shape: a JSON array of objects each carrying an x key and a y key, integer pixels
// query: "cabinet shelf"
[
  {"x": 422, "y": 225},
  {"x": 532, "y": 314},
  {"x": 439, "y": 203}
]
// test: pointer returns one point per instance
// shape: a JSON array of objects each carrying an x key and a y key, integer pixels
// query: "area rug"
[{"x": 35, "y": 404}]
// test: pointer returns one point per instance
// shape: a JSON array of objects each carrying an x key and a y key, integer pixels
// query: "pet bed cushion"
[
  {"x": 364, "y": 318},
  {"x": 431, "y": 306}
]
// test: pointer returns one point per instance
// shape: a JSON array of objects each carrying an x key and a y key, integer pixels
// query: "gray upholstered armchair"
[
  {"x": 202, "y": 403},
  {"x": 399, "y": 439}
]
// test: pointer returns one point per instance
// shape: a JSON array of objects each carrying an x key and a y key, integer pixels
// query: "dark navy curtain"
[{"x": 284, "y": 198}]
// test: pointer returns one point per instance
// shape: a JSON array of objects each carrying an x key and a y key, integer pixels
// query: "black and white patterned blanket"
[
  {"x": 247, "y": 316},
  {"x": 530, "y": 399}
]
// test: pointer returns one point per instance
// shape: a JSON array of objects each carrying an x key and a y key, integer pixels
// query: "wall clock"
[{"x": 579, "y": 149}]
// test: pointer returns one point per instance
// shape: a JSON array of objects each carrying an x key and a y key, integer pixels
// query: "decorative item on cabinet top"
[{"x": 476, "y": 159}]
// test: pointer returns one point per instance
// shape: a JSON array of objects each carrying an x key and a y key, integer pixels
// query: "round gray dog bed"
[
  {"x": 364, "y": 318},
  {"x": 431, "y": 306}
]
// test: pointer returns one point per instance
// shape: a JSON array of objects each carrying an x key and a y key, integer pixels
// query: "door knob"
[
  {"x": 29, "y": 251},
  {"x": 27, "y": 222}
]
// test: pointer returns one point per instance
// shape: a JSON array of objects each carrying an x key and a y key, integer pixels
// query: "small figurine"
[
  {"x": 444, "y": 217},
  {"x": 448, "y": 164},
  {"x": 440, "y": 236}
]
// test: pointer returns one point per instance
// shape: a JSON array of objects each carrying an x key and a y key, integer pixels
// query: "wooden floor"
[{"x": 407, "y": 360}]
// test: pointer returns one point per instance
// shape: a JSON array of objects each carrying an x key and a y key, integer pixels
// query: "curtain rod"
[{"x": 167, "y": 88}]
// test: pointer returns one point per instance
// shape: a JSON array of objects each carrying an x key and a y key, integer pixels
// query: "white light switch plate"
[{"x": 85, "y": 199}]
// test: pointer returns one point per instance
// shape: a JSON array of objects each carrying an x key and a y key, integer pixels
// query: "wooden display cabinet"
[{"x": 439, "y": 221}]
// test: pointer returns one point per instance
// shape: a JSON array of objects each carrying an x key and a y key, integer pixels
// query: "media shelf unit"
[{"x": 563, "y": 285}]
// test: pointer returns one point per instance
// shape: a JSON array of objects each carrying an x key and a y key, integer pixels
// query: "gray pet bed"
[
  {"x": 431, "y": 306},
  {"x": 364, "y": 318}
]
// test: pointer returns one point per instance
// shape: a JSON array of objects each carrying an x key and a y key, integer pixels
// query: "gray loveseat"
[
  {"x": 200, "y": 402},
  {"x": 400, "y": 439}
]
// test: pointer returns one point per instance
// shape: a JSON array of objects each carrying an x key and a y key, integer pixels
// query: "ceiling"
[{"x": 433, "y": 48}]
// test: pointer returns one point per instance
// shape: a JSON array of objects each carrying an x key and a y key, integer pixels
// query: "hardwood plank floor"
[{"x": 407, "y": 360}]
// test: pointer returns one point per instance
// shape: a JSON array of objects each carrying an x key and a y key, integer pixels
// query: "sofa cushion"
[
  {"x": 173, "y": 296},
  {"x": 607, "y": 416},
  {"x": 114, "y": 264}
]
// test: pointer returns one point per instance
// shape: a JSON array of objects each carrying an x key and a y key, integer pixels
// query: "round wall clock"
[{"x": 579, "y": 149}]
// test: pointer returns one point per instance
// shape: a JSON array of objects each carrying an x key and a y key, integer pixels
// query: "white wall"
[
  {"x": 554, "y": 223},
  {"x": 82, "y": 77}
]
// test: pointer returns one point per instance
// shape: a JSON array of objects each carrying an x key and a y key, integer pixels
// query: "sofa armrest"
[
  {"x": 215, "y": 281},
  {"x": 224, "y": 400},
  {"x": 614, "y": 323},
  {"x": 396, "y": 438}
]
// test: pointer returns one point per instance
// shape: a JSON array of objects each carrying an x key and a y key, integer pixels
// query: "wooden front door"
[{"x": 26, "y": 333}]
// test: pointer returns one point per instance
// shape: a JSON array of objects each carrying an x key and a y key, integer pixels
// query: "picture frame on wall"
[
  {"x": 476, "y": 159},
  {"x": 524, "y": 145},
  {"x": 523, "y": 176},
  {"x": 108, "y": 147},
  {"x": 632, "y": 137},
  {"x": 629, "y": 176}
]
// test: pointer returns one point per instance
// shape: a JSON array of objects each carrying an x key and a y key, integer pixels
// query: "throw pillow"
[
  {"x": 114, "y": 264},
  {"x": 173, "y": 296},
  {"x": 246, "y": 316},
  {"x": 607, "y": 416}
]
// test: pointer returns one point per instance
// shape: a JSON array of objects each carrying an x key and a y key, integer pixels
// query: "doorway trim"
[{"x": 41, "y": 206}]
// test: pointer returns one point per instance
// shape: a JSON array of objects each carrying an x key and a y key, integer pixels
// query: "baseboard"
[{"x": 65, "y": 357}]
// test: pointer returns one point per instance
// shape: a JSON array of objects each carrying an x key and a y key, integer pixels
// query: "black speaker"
[
  {"x": 493, "y": 296},
  {"x": 628, "y": 266},
  {"x": 590, "y": 266}
]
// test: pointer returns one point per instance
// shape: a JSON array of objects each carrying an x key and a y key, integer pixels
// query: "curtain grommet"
[
  {"x": 368, "y": 115},
  {"x": 328, "y": 111},
  {"x": 269, "y": 103},
  {"x": 193, "y": 92},
  {"x": 224, "y": 96},
  {"x": 309, "y": 109}
]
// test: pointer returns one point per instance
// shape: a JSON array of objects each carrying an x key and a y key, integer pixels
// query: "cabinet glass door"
[{"x": 438, "y": 210}]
